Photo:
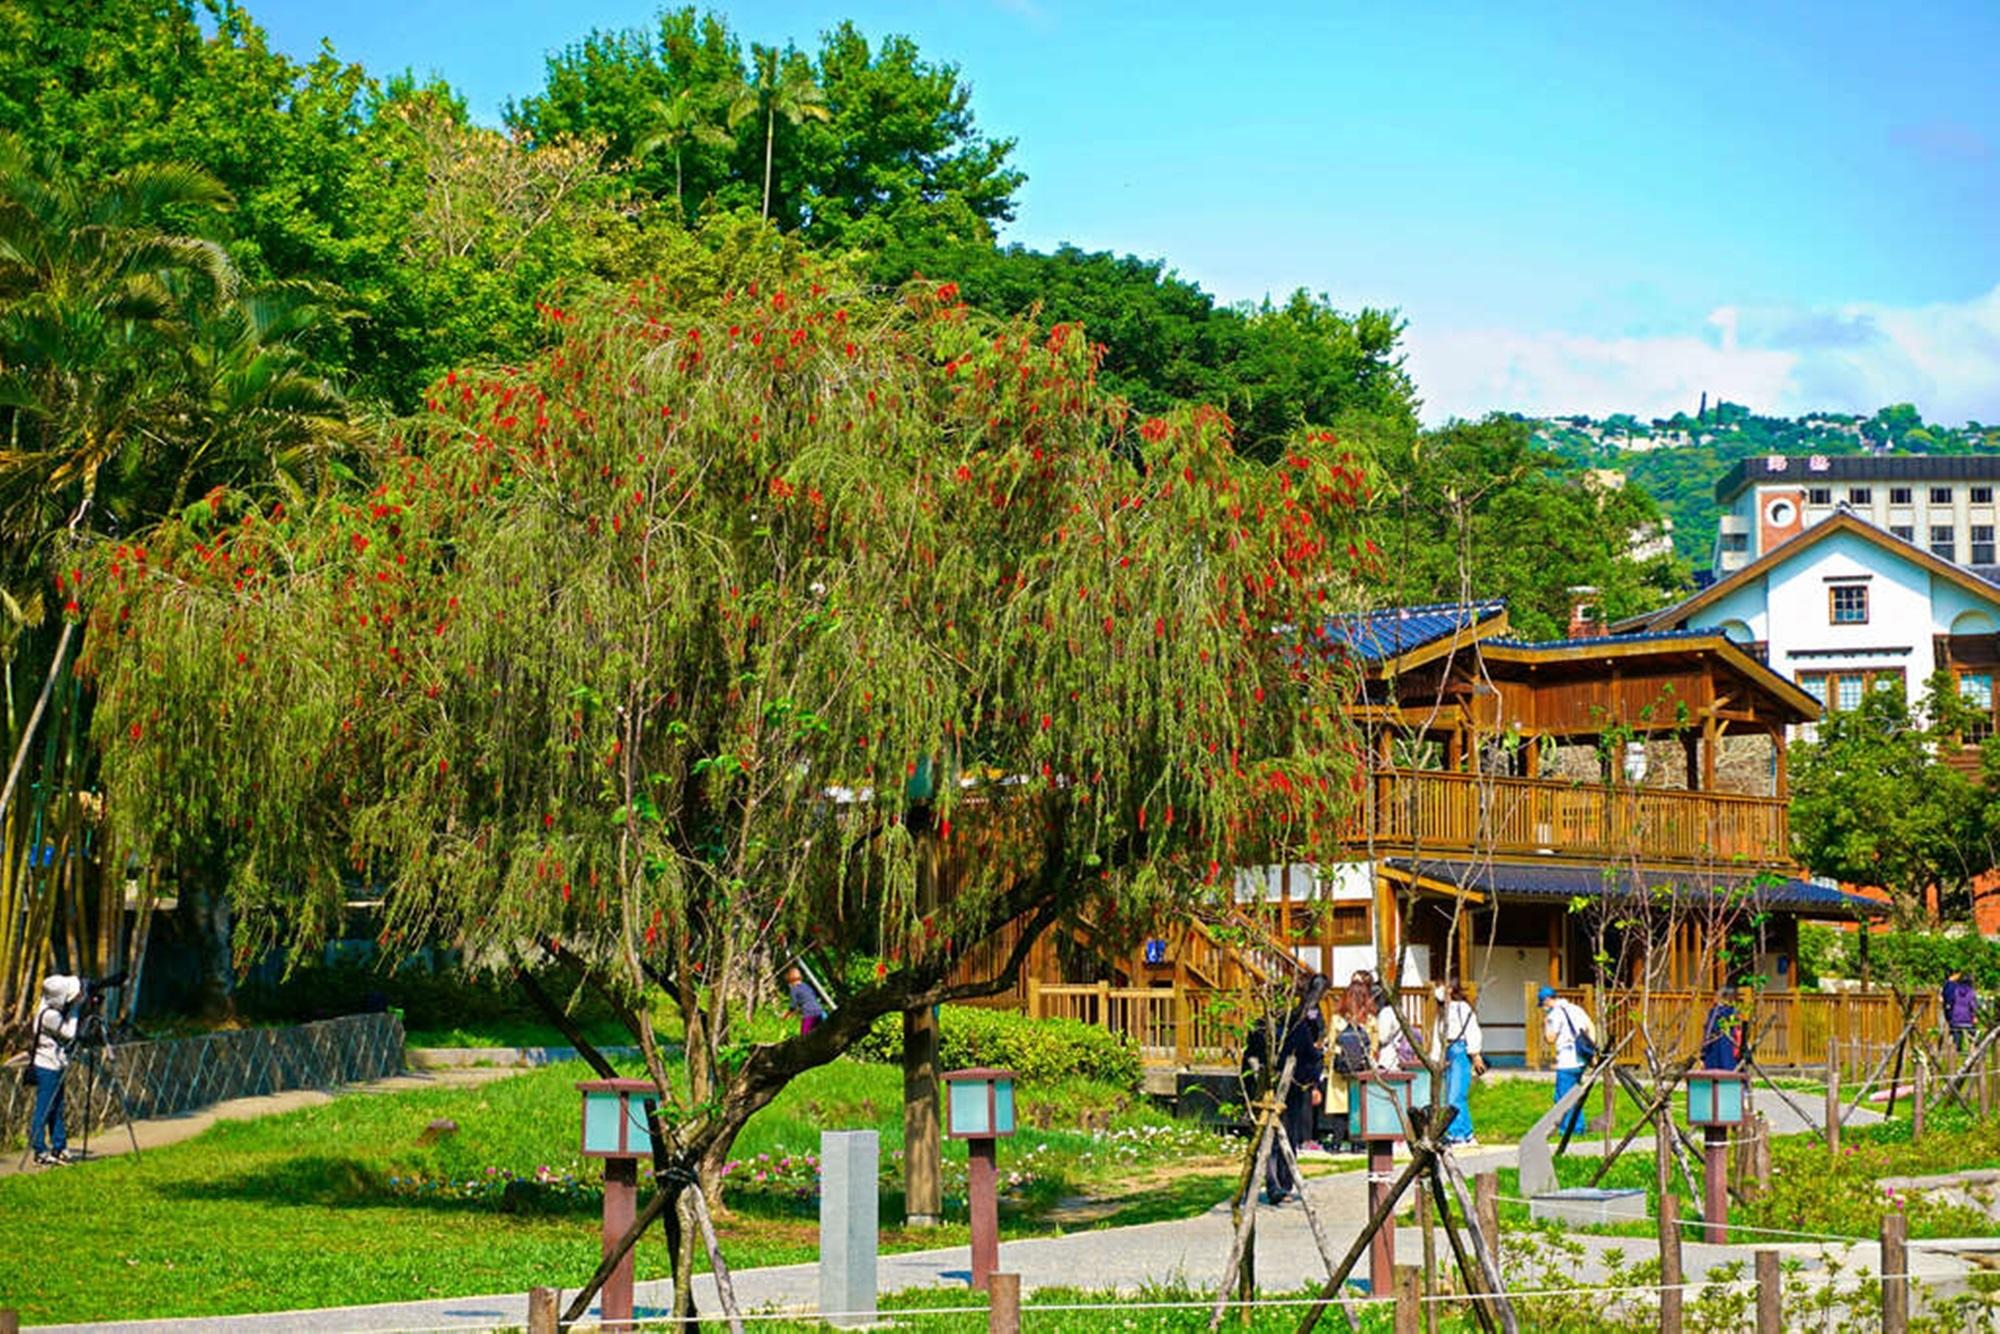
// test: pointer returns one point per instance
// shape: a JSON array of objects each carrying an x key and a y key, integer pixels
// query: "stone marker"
[
  {"x": 849, "y": 1218},
  {"x": 1538, "y": 1163}
]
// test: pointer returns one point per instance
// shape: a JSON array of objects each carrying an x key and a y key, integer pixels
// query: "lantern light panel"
[
  {"x": 1715, "y": 1097},
  {"x": 979, "y": 1103}
]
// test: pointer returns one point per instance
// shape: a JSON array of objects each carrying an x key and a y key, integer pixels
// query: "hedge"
[{"x": 1035, "y": 1049}]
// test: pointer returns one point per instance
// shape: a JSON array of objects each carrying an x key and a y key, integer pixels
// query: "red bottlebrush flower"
[
  {"x": 881, "y": 969},
  {"x": 548, "y": 821},
  {"x": 360, "y": 543},
  {"x": 565, "y": 891},
  {"x": 136, "y": 731},
  {"x": 1045, "y": 722},
  {"x": 944, "y": 829},
  {"x": 947, "y": 293},
  {"x": 1153, "y": 430},
  {"x": 443, "y": 766},
  {"x": 71, "y": 608}
]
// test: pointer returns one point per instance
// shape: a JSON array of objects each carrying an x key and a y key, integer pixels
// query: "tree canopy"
[{"x": 692, "y": 643}]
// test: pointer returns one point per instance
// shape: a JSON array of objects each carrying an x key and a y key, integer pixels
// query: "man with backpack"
[{"x": 1569, "y": 1030}]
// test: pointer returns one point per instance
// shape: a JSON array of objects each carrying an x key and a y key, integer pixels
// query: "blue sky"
[{"x": 1585, "y": 207}]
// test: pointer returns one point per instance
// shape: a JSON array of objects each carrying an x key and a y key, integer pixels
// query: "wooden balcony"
[{"x": 1445, "y": 813}]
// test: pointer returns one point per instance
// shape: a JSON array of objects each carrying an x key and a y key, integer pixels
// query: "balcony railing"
[{"x": 1431, "y": 811}]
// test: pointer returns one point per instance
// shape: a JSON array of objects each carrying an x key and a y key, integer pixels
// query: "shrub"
[
  {"x": 1035, "y": 1049},
  {"x": 1921, "y": 959},
  {"x": 447, "y": 998}
]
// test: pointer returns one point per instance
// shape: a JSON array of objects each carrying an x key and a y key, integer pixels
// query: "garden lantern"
[
  {"x": 616, "y": 1114},
  {"x": 1715, "y": 1103},
  {"x": 1381, "y": 1097},
  {"x": 979, "y": 1109}
]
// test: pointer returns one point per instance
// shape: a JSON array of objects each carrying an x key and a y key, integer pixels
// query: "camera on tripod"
[{"x": 92, "y": 996}]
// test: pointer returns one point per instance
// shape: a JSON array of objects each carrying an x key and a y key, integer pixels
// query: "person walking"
[
  {"x": 1568, "y": 1030},
  {"x": 1297, "y": 1036},
  {"x": 1722, "y": 1034},
  {"x": 1961, "y": 1008},
  {"x": 54, "y": 1029},
  {"x": 1459, "y": 1047},
  {"x": 805, "y": 1000}
]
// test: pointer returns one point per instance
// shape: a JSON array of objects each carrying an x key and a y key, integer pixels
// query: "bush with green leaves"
[{"x": 1035, "y": 1049}]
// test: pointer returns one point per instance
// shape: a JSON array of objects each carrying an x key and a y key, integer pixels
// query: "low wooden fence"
[
  {"x": 176, "y": 1075},
  {"x": 1178, "y": 1026},
  {"x": 1787, "y": 1028}
]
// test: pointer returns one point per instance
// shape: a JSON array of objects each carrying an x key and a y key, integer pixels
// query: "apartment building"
[{"x": 1943, "y": 504}]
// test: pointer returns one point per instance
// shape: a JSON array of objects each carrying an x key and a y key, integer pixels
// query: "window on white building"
[
  {"x": 1899, "y": 495},
  {"x": 1982, "y": 544},
  {"x": 1944, "y": 542},
  {"x": 1844, "y": 689},
  {"x": 1819, "y": 495},
  {"x": 1847, "y": 604},
  {"x": 1976, "y": 689},
  {"x": 1982, "y": 495},
  {"x": 1904, "y": 531},
  {"x": 1940, "y": 495}
]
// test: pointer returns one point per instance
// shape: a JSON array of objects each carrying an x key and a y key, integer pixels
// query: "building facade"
[{"x": 1942, "y": 503}]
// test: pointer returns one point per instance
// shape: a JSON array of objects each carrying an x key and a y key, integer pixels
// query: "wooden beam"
[{"x": 1711, "y": 734}]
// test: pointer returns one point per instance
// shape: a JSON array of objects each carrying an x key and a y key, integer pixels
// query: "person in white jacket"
[
  {"x": 1563, "y": 1024},
  {"x": 54, "y": 1030},
  {"x": 1458, "y": 1046}
]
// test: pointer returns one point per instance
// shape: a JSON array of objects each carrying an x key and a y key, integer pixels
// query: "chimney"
[{"x": 1586, "y": 621}]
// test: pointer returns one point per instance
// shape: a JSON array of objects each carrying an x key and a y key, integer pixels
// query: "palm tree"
[
  {"x": 678, "y": 122},
  {"x": 788, "y": 90}
]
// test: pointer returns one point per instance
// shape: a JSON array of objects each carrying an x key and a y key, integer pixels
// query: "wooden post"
[
  {"x": 1104, "y": 1003},
  {"x": 1760, "y": 1159},
  {"x": 1409, "y": 1307},
  {"x": 1833, "y": 1108},
  {"x": 1427, "y": 1272},
  {"x": 1715, "y": 1184},
  {"x": 10, "y": 1321},
  {"x": 1486, "y": 1203},
  {"x": 1895, "y": 1274},
  {"x": 1610, "y": 1108},
  {"x": 541, "y": 1312},
  {"x": 1985, "y": 1077},
  {"x": 1770, "y": 1294},
  {"x": 1003, "y": 1311},
  {"x": 1034, "y": 998},
  {"x": 1670, "y": 1261},
  {"x": 1382, "y": 1247},
  {"x": 1183, "y": 1028}
]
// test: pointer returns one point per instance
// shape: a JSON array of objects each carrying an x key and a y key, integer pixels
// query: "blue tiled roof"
[
  {"x": 1536, "y": 880},
  {"x": 1376, "y": 635}
]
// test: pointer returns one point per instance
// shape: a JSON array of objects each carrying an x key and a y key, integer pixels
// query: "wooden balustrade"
[
  {"x": 1787, "y": 1028},
  {"x": 1442, "y": 812}
]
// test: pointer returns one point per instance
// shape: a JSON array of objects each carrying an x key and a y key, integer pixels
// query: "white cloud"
[{"x": 1944, "y": 357}]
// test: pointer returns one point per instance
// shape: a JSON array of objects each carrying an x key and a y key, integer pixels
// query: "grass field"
[{"x": 341, "y": 1204}]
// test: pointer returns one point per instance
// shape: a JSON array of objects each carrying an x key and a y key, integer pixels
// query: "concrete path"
[{"x": 113, "y": 1140}]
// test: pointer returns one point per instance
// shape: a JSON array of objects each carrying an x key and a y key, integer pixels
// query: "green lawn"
[{"x": 340, "y": 1204}]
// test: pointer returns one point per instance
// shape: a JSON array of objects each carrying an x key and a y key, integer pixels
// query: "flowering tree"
[{"x": 709, "y": 636}]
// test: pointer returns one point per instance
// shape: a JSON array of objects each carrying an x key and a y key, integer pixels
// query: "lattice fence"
[{"x": 179, "y": 1075}]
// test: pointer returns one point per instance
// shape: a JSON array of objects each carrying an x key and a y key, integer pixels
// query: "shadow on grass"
[{"x": 347, "y": 1183}]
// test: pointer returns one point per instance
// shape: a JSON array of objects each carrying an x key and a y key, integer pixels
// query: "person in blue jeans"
[
  {"x": 54, "y": 1030},
  {"x": 1458, "y": 1045},
  {"x": 1563, "y": 1023}
]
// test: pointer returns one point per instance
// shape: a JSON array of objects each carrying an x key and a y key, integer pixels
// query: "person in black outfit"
[{"x": 1298, "y": 1036}]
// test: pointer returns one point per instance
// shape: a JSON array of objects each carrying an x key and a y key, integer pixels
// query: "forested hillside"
[{"x": 1678, "y": 459}]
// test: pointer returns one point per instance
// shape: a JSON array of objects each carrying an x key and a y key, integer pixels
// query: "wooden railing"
[
  {"x": 1180, "y": 1025},
  {"x": 1787, "y": 1028},
  {"x": 1443, "y": 812}
]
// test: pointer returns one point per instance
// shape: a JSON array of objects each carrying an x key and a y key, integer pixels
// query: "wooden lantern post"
[
  {"x": 980, "y": 1110},
  {"x": 1715, "y": 1103},
  {"x": 617, "y": 1117},
  {"x": 1385, "y": 1098}
]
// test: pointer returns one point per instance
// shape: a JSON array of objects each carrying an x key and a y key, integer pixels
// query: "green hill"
[{"x": 1678, "y": 459}]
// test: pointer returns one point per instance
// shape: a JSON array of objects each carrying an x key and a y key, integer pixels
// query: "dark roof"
[
  {"x": 1603, "y": 641},
  {"x": 1541, "y": 880},
  {"x": 1857, "y": 468},
  {"x": 1375, "y": 635}
]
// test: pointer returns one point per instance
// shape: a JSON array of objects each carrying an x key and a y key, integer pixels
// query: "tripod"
[{"x": 93, "y": 1038}]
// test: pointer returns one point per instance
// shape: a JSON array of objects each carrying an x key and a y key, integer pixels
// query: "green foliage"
[
  {"x": 1478, "y": 510},
  {"x": 851, "y": 145},
  {"x": 1920, "y": 960},
  {"x": 435, "y": 999},
  {"x": 1036, "y": 1049},
  {"x": 1874, "y": 803},
  {"x": 1272, "y": 368},
  {"x": 1679, "y": 459}
]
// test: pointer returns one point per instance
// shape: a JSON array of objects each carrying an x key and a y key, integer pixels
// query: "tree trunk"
[
  {"x": 923, "y": 1189},
  {"x": 770, "y": 130},
  {"x": 205, "y": 908}
]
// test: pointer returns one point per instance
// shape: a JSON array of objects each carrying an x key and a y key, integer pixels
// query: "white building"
[
  {"x": 1842, "y": 606},
  {"x": 1942, "y": 503}
]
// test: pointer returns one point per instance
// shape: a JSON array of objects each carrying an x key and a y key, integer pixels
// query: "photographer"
[{"x": 54, "y": 1030}]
